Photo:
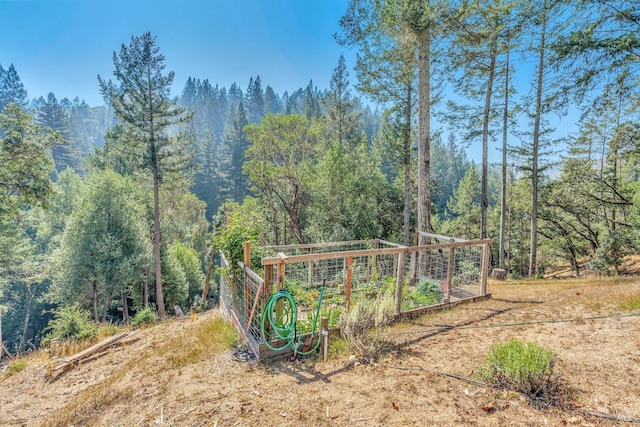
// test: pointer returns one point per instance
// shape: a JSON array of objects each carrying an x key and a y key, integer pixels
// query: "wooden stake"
[
  {"x": 325, "y": 338},
  {"x": 349, "y": 274}
]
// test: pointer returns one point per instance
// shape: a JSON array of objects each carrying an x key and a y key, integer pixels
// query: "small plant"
[
  {"x": 469, "y": 273},
  {"x": 15, "y": 367},
  {"x": 431, "y": 289},
  {"x": 70, "y": 323},
  {"x": 365, "y": 326},
  {"x": 199, "y": 305},
  {"x": 526, "y": 368},
  {"x": 143, "y": 318},
  {"x": 631, "y": 303},
  {"x": 332, "y": 315}
]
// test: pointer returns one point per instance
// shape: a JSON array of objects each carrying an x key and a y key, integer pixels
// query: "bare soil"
[{"x": 592, "y": 324}]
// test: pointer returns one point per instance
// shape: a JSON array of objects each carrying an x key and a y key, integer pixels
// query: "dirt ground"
[{"x": 592, "y": 325}]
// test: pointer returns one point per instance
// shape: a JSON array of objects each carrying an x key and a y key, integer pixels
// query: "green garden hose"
[{"x": 281, "y": 314}]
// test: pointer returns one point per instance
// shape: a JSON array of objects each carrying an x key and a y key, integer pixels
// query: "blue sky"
[{"x": 61, "y": 46}]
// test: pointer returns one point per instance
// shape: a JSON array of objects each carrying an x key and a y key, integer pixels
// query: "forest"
[{"x": 112, "y": 210}]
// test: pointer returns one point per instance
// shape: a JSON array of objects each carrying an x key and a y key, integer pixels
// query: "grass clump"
[
  {"x": 365, "y": 326},
  {"x": 205, "y": 340},
  {"x": 144, "y": 317},
  {"x": 631, "y": 303},
  {"x": 526, "y": 368},
  {"x": 15, "y": 367}
]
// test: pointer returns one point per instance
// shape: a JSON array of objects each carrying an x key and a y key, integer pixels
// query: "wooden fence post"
[
  {"x": 399, "y": 282},
  {"x": 348, "y": 284},
  {"x": 452, "y": 260},
  {"x": 485, "y": 268},
  {"x": 246, "y": 246}
]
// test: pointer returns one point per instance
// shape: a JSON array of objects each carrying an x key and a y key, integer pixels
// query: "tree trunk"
[
  {"x": 534, "y": 155},
  {"x": 207, "y": 280},
  {"x": 125, "y": 307},
  {"x": 274, "y": 216},
  {"x": 484, "y": 203},
  {"x": 27, "y": 317},
  {"x": 503, "y": 186},
  {"x": 96, "y": 317},
  {"x": 145, "y": 289},
  {"x": 1, "y": 342},
  {"x": 424, "y": 128},
  {"x": 407, "y": 169},
  {"x": 156, "y": 243}
]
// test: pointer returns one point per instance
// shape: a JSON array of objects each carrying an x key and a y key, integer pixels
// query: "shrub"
[
  {"x": 144, "y": 317},
  {"x": 365, "y": 326},
  {"x": 430, "y": 289},
  {"x": 70, "y": 323},
  {"x": 611, "y": 252},
  {"x": 526, "y": 368}
]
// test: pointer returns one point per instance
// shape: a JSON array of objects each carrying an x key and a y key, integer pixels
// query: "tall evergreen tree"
[
  {"x": 254, "y": 101},
  {"x": 11, "y": 88},
  {"x": 236, "y": 143},
  {"x": 142, "y": 101},
  {"x": 272, "y": 102},
  {"x": 52, "y": 115},
  {"x": 341, "y": 116}
]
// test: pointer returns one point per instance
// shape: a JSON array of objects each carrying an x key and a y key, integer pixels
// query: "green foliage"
[
  {"x": 611, "y": 252},
  {"x": 469, "y": 273},
  {"x": 71, "y": 322},
  {"x": 145, "y": 317},
  {"x": 524, "y": 367},
  {"x": 230, "y": 238},
  {"x": 331, "y": 313},
  {"x": 431, "y": 289},
  {"x": 631, "y": 304},
  {"x": 365, "y": 326},
  {"x": 105, "y": 247},
  {"x": 15, "y": 367},
  {"x": 25, "y": 156},
  {"x": 278, "y": 163}
]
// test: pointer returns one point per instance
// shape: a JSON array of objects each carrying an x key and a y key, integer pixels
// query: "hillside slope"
[{"x": 177, "y": 373}]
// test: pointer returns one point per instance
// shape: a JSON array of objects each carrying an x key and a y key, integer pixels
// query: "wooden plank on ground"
[{"x": 93, "y": 349}]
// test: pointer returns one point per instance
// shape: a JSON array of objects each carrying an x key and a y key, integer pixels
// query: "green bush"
[
  {"x": 611, "y": 252},
  {"x": 526, "y": 368},
  {"x": 365, "y": 326},
  {"x": 431, "y": 289},
  {"x": 70, "y": 323},
  {"x": 144, "y": 317}
]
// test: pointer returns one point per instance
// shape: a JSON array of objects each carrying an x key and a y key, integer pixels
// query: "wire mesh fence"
[{"x": 338, "y": 275}]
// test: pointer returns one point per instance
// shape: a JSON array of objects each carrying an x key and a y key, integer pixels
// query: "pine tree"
[
  {"x": 141, "y": 100},
  {"x": 236, "y": 143},
  {"x": 254, "y": 101},
  {"x": 11, "y": 88},
  {"x": 272, "y": 103},
  {"x": 341, "y": 116},
  {"x": 51, "y": 114}
]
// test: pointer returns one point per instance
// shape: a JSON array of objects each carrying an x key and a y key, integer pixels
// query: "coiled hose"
[{"x": 281, "y": 314}]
